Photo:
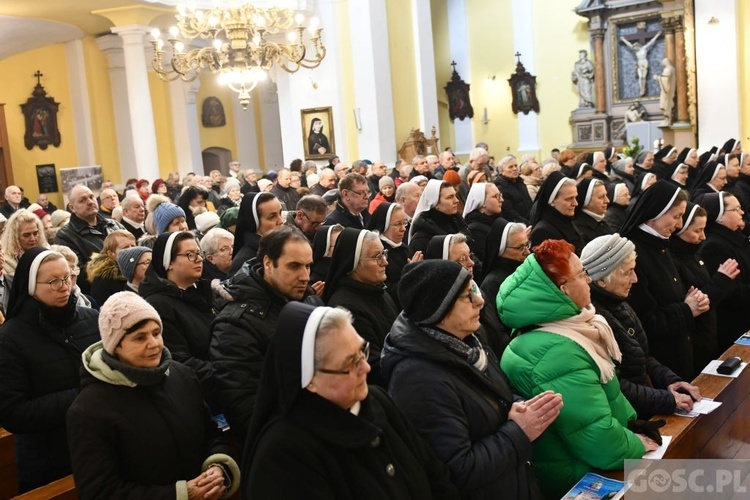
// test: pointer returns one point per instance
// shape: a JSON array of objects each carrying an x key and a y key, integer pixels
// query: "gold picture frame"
[{"x": 317, "y": 133}]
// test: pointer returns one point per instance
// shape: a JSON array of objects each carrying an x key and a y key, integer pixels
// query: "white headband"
[
  {"x": 688, "y": 220},
  {"x": 668, "y": 205},
  {"x": 559, "y": 185},
  {"x": 388, "y": 216},
  {"x": 447, "y": 246},
  {"x": 504, "y": 238},
  {"x": 34, "y": 269},
  {"x": 619, "y": 187},
  {"x": 719, "y": 166},
  {"x": 646, "y": 177},
  {"x": 167, "y": 258},
  {"x": 677, "y": 170},
  {"x": 307, "y": 353},
  {"x": 358, "y": 248},
  {"x": 590, "y": 191},
  {"x": 254, "y": 209}
]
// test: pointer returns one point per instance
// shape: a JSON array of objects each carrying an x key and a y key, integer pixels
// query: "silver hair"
[
  {"x": 332, "y": 322},
  {"x": 210, "y": 241},
  {"x": 630, "y": 258}
]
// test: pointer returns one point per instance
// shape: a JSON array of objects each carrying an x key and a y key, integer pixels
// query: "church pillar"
[
  {"x": 680, "y": 65},
  {"x": 80, "y": 102},
  {"x": 186, "y": 136},
  {"x": 668, "y": 23},
  {"x": 600, "y": 84},
  {"x": 141, "y": 112},
  {"x": 458, "y": 29},
  {"x": 426, "y": 82}
]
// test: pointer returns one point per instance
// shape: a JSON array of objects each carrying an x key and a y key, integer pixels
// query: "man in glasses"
[
  {"x": 351, "y": 209},
  {"x": 310, "y": 215}
]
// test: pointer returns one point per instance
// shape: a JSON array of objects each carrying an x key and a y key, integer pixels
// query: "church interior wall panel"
[
  {"x": 160, "y": 103},
  {"x": 442, "y": 53},
  {"x": 346, "y": 127},
  {"x": 223, "y": 137},
  {"x": 743, "y": 46},
  {"x": 17, "y": 87}
]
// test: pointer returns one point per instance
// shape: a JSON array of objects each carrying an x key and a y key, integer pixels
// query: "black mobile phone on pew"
[{"x": 729, "y": 365}]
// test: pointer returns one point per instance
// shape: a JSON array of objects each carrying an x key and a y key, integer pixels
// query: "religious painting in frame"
[
  {"x": 317, "y": 133},
  {"x": 523, "y": 86},
  {"x": 637, "y": 48},
  {"x": 40, "y": 118},
  {"x": 459, "y": 100}
]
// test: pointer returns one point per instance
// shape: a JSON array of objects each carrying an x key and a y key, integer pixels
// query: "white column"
[
  {"x": 187, "y": 141},
  {"x": 459, "y": 43},
  {"x": 141, "y": 110},
  {"x": 274, "y": 148},
  {"x": 80, "y": 102},
  {"x": 426, "y": 81},
  {"x": 373, "y": 94},
  {"x": 246, "y": 134},
  {"x": 111, "y": 45},
  {"x": 717, "y": 72},
  {"x": 523, "y": 40}
]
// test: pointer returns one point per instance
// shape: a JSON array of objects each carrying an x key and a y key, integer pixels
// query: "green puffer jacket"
[{"x": 591, "y": 431}]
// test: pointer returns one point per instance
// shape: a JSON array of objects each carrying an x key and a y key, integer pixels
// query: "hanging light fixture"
[{"x": 245, "y": 42}]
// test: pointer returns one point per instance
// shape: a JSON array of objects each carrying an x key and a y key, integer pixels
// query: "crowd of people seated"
[{"x": 487, "y": 330}]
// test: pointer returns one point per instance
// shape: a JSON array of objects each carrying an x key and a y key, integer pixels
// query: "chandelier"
[{"x": 246, "y": 41}]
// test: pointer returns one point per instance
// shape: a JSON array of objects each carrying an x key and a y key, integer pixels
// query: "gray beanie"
[
  {"x": 164, "y": 214},
  {"x": 605, "y": 254},
  {"x": 128, "y": 258}
]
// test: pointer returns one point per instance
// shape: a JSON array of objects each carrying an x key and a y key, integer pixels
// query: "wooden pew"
[
  {"x": 62, "y": 489},
  {"x": 8, "y": 477}
]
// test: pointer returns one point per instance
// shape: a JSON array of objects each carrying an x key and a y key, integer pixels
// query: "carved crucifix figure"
[{"x": 641, "y": 57}]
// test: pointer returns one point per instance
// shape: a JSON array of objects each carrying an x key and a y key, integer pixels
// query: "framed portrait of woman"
[{"x": 317, "y": 133}]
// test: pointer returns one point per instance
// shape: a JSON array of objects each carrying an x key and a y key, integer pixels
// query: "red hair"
[{"x": 554, "y": 257}]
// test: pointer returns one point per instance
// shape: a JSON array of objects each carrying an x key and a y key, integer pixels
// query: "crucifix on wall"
[{"x": 637, "y": 43}]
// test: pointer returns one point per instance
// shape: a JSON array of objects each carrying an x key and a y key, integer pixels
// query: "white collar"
[
  {"x": 650, "y": 230},
  {"x": 133, "y": 223}
]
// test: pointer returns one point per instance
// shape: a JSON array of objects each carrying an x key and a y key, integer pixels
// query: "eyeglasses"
[
  {"x": 473, "y": 292},
  {"x": 522, "y": 248},
  {"x": 382, "y": 258},
  {"x": 192, "y": 256},
  {"x": 145, "y": 263},
  {"x": 465, "y": 259},
  {"x": 498, "y": 196},
  {"x": 313, "y": 223},
  {"x": 75, "y": 271},
  {"x": 56, "y": 284},
  {"x": 225, "y": 249},
  {"x": 364, "y": 353},
  {"x": 363, "y": 194},
  {"x": 735, "y": 209},
  {"x": 399, "y": 225}
]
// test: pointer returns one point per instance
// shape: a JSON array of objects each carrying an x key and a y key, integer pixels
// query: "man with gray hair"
[
  {"x": 133, "y": 215},
  {"x": 108, "y": 201},
  {"x": 310, "y": 215},
  {"x": 446, "y": 161},
  {"x": 326, "y": 182},
  {"x": 419, "y": 163},
  {"x": 378, "y": 171},
  {"x": 217, "y": 246},
  {"x": 284, "y": 191},
  {"x": 13, "y": 201},
  {"x": 234, "y": 168},
  {"x": 351, "y": 209},
  {"x": 407, "y": 195}
]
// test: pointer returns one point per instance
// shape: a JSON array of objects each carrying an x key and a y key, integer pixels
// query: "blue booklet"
[
  {"x": 595, "y": 487},
  {"x": 744, "y": 339}
]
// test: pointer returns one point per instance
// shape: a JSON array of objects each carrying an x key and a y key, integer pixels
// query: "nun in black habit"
[
  {"x": 711, "y": 179},
  {"x": 319, "y": 432},
  {"x": 356, "y": 281},
  {"x": 323, "y": 243},
  {"x": 675, "y": 174},
  {"x": 667, "y": 312},
  {"x": 553, "y": 212},
  {"x": 392, "y": 238},
  {"x": 619, "y": 201},
  {"x": 589, "y": 219},
  {"x": 246, "y": 236}
]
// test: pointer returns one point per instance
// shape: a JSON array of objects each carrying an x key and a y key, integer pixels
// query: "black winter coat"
[
  {"x": 555, "y": 225},
  {"x": 137, "y": 442},
  {"x": 479, "y": 227},
  {"x": 461, "y": 412},
  {"x": 397, "y": 259},
  {"x": 435, "y": 223},
  {"x": 722, "y": 244},
  {"x": 615, "y": 216},
  {"x": 320, "y": 451},
  {"x": 374, "y": 312},
  {"x": 248, "y": 252},
  {"x": 517, "y": 202},
  {"x": 341, "y": 215},
  {"x": 717, "y": 286},
  {"x": 658, "y": 300},
  {"x": 40, "y": 361},
  {"x": 643, "y": 380},
  {"x": 240, "y": 336},
  {"x": 741, "y": 190},
  {"x": 186, "y": 316},
  {"x": 589, "y": 228}
]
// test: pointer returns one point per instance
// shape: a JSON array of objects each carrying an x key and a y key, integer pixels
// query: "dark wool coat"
[
  {"x": 374, "y": 312},
  {"x": 186, "y": 316},
  {"x": 240, "y": 336},
  {"x": 288, "y": 196},
  {"x": 137, "y": 232},
  {"x": 516, "y": 199},
  {"x": 555, "y": 225},
  {"x": 248, "y": 252},
  {"x": 397, "y": 258},
  {"x": 658, "y": 300},
  {"x": 342, "y": 215},
  {"x": 479, "y": 227},
  {"x": 643, "y": 380},
  {"x": 461, "y": 412},
  {"x": 39, "y": 379},
  {"x": 741, "y": 190},
  {"x": 137, "y": 442},
  {"x": 435, "y": 223},
  {"x": 615, "y": 216},
  {"x": 106, "y": 278},
  {"x": 589, "y": 228},
  {"x": 722, "y": 244},
  {"x": 320, "y": 451},
  {"x": 717, "y": 286}
]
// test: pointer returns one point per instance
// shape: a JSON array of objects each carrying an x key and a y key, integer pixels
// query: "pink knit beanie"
[{"x": 121, "y": 312}]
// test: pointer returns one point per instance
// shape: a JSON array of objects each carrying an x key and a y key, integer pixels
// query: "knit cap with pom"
[{"x": 163, "y": 211}]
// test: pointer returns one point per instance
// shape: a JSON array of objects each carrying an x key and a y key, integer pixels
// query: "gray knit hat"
[
  {"x": 429, "y": 289},
  {"x": 127, "y": 260},
  {"x": 605, "y": 254},
  {"x": 164, "y": 214}
]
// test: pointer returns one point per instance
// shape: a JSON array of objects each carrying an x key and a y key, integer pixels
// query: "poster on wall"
[
  {"x": 88, "y": 176},
  {"x": 46, "y": 178},
  {"x": 317, "y": 130}
]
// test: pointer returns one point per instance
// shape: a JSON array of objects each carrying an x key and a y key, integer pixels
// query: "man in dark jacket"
[
  {"x": 326, "y": 183},
  {"x": 241, "y": 333},
  {"x": 133, "y": 215},
  {"x": 517, "y": 204},
  {"x": 310, "y": 215},
  {"x": 373, "y": 180},
  {"x": 283, "y": 190},
  {"x": 86, "y": 231},
  {"x": 13, "y": 201},
  {"x": 351, "y": 209}
]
